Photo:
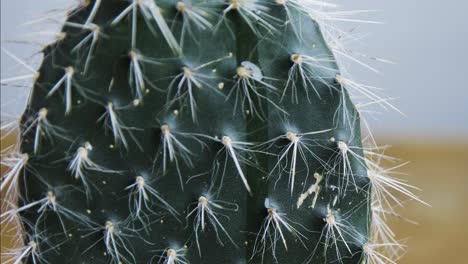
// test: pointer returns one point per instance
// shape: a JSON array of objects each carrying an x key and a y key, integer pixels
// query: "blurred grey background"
[{"x": 427, "y": 40}]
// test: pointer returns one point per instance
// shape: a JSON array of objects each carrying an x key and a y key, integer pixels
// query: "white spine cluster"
[
  {"x": 298, "y": 148},
  {"x": 276, "y": 226},
  {"x": 43, "y": 128},
  {"x": 152, "y": 14},
  {"x": 142, "y": 197},
  {"x": 245, "y": 90},
  {"x": 207, "y": 212}
]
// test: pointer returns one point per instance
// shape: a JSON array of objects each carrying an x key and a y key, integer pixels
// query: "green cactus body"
[{"x": 193, "y": 132}]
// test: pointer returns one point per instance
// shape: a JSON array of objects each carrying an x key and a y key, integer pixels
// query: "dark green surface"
[{"x": 271, "y": 52}]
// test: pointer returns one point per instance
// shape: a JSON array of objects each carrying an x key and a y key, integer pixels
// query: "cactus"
[{"x": 198, "y": 132}]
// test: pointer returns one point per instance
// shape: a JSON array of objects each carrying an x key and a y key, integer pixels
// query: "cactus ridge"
[{"x": 199, "y": 131}]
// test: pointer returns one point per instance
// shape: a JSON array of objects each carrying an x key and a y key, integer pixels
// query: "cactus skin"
[{"x": 216, "y": 116}]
